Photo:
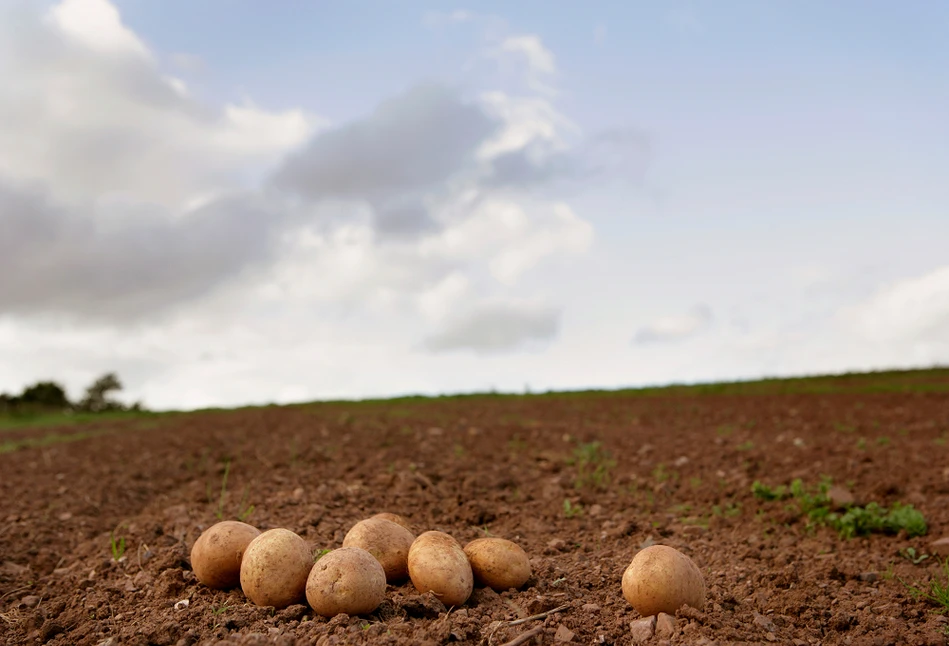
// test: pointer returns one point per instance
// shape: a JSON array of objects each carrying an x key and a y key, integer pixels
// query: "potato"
[
  {"x": 498, "y": 563},
  {"x": 438, "y": 564},
  {"x": 386, "y": 541},
  {"x": 275, "y": 568},
  {"x": 216, "y": 555},
  {"x": 348, "y": 580},
  {"x": 663, "y": 579},
  {"x": 398, "y": 520}
]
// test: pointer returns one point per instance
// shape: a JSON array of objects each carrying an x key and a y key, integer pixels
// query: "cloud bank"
[{"x": 124, "y": 197}]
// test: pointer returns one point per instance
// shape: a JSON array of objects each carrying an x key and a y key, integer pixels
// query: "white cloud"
[
  {"x": 529, "y": 51},
  {"x": 441, "y": 299},
  {"x": 912, "y": 310},
  {"x": 527, "y": 121},
  {"x": 512, "y": 237},
  {"x": 86, "y": 109},
  {"x": 344, "y": 268},
  {"x": 676, "y": 327},
  {"x": 522, "y": 54},
  {"x": 96, "y": 24},
  {"x": 539, "y": 59},
  {"x": 254, "y": 132},
  {"x": 560, "y": 233},
  {"x": 186, "y": 244}
]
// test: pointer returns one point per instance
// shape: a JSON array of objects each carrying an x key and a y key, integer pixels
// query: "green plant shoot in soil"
[
  {"x": 117, "y": 546},
  {"x": 914, "y": 557},
  {"x": 815, "y": 504},
  {"x": 593, "y": 463},
  {"x": 318, "y": 554},
  {"x": 571, "y": 510},
  {"x": 937, "y": 592}
]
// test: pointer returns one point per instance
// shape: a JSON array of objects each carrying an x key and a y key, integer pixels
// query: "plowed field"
[{"x": 96, "y": 533}]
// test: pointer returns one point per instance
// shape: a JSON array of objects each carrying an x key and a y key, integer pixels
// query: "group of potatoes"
[{"x": 276, "y": 567}]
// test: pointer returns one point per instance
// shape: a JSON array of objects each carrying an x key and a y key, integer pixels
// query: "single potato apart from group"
[{"x": 663, "y": 579}]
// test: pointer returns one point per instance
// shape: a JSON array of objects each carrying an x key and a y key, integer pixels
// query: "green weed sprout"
[
  {"x": 117, "y": 546},
  {"x": 914, "y": 557},
  {"x": 594, "y": 464},
  {"x": 937, "y": 593},
  {"x": 570, "y": 510},
  {"x": 815, "y": 504}
]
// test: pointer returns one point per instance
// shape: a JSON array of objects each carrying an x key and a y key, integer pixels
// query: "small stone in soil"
[
  {"x": 563, "y": 634},
  {"x": 29, "y": 601},
  {"x": 642, "y": 630},
  {"x": 764, "y": 622},
  {"x": 624, "y": 528},
  {"x": 387, "y": 610},
  {"x": 557, "y": 544},
  {"x": 482, "y": 596},
  {"x": 538, "y": 605},
  {"x": 50, "y": 629},
  {"x": 294, "y": 612},
  {"x": 424, "y": 605},
  {"x": 665, "y": 626},
  {"x": 940, "y": 547},
  {"x": 236, "y": 623}
]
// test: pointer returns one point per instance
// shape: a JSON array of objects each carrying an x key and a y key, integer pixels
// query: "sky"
[{"x": 244, "y": 202}]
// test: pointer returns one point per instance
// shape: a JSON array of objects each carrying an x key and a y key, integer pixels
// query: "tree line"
[{"x": 50, "y": 397}]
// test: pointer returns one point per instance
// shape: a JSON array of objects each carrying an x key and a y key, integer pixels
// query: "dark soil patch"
[{"x": 683, "y": 471}]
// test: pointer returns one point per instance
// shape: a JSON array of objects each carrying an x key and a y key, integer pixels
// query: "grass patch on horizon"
[
  {"x": 925, "y": 380},
  {"x": 50, "y": 439},
  {"x": 17, "y": 422}
]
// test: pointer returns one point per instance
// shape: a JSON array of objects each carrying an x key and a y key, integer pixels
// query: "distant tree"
[
  {"x": 45, "y": 395},
  {"x": 97, "y": 398}
]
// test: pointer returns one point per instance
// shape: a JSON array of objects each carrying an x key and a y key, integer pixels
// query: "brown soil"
[{"x": 469, "y": 467}]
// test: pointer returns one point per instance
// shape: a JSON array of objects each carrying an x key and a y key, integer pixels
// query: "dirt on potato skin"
[{"x": 475, "y": 467}]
